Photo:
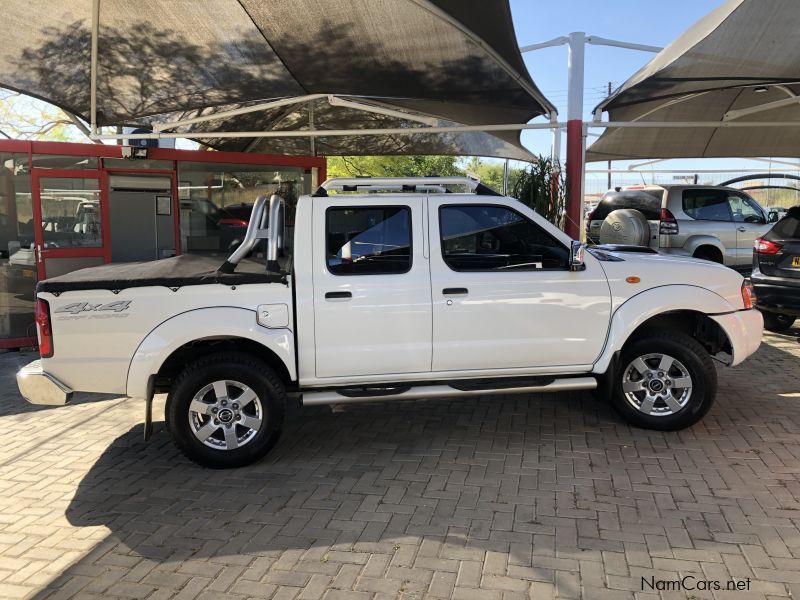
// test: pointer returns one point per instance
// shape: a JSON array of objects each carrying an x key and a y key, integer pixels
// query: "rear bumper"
[
  {"x": 38, "y": 387},
  {"x": 773, "y": 295},
  {"x": 744, "y": 329}
]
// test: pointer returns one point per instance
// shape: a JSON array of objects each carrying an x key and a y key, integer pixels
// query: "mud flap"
[{"x": 148, "y": 408}]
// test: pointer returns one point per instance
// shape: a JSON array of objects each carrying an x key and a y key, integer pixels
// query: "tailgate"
[{"x": 784, "y": 263}]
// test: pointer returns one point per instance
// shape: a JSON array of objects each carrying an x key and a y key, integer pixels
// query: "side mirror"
[
  {"x": 773, "y": 217},
  {"x": 576, "y": 254}
]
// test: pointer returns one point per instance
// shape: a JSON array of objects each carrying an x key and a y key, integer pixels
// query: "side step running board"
[{"x": 445, "y": 391}]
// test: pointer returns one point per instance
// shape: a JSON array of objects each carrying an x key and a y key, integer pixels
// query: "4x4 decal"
[{"x": 77, "y": 308}]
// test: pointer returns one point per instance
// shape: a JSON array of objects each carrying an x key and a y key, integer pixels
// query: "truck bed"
[{"x": 178, "y": 271}]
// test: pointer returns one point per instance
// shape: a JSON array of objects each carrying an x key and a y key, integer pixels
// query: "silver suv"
[{"x": 710, "y": 222}]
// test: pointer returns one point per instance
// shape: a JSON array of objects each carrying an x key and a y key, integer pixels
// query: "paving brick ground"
[{"x": 491, "y": 498}]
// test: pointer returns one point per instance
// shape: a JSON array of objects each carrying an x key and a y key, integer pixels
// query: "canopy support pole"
[
  {"x": 576, "y": 128},
  {"x": 93, "y": 66},
  {"x": 311, "y": 140},
  {"x": 742, "y": 112},
  {"x": 576, "y": 138},
  {"x": 237, "y": 111},
  {"x": 380, "y": 110},
  {"x": 330, "y": 132}
]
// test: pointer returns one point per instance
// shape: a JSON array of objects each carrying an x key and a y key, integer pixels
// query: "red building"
[{"x": 68, "y": 206}]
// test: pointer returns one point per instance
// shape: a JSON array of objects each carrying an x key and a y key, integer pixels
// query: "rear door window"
[
  {"x": 648, "y": 202},
  {"x": 706, "y": 205},
  {"x": 370, "y": 240}
]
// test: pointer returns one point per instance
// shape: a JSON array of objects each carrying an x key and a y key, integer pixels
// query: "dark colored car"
[{"x": 776, "y": 272}]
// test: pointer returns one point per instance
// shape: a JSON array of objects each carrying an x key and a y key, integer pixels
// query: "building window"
[
  {"x": 17, "y": 257},
  {"x": 71, "y": 213},
  {"x": 62, "y": 161},
  {"x": 216, "y": 201}
]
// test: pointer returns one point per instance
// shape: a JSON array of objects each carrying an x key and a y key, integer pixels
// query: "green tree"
[
  {"x": 26, "y": 118},
  {"x": 490, "y": 172},
  {"x": 393, "y": 166},
  {"x": 542, "y": 187}
]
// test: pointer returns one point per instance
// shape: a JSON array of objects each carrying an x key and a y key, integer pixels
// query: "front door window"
[{"x": 495, "y": 238}]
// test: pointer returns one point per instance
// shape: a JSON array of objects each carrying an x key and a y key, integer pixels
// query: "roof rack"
[{"x": 354, "y": 184}]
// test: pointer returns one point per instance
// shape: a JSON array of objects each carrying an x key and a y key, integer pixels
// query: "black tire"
[
  {"x": 237, "y": 371},
  {"x": 777, "y": 322},
  {"x": 690, "y": 358}
]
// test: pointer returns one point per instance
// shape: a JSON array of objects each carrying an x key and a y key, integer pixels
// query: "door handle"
[
  {"x": 455, "y": 291},
  {"x": 742, "y": 229},
  {"x": 339, "y": 295}
]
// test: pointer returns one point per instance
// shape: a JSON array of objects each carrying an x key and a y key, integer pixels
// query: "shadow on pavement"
[
  {"x": 372, "y": 473},
  {"x": 475, "y": 474}
]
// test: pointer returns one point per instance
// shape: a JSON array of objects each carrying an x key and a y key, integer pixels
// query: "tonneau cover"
[{"x": 177, "y": 271}]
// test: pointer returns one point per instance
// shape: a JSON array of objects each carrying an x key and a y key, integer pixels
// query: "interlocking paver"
[{"x": 543, "y": 496}]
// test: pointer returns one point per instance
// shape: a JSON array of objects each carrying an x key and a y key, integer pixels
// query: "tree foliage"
[
  {"x": 542, "y": 186},
  {"x": 393, "y": 166},
  {"x": 490, "y": 172},
  {"x": 23, "y": 117}
]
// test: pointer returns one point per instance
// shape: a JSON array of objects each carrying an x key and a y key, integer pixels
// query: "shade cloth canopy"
[
  {"x": 743, "y": 54},
  {"x": 158, "y": 60}
]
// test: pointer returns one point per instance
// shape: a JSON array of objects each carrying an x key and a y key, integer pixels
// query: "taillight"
[
  {"x": 762, "y": 246},
  {"x": 234, "y": 222},
  {"x": 43, "y": 329},
  {"x": 748, "y": 294},
  {"x": 668, "y": 224}
]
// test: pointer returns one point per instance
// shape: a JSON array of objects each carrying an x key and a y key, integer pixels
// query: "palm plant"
[{"x": 542, "y": 187}]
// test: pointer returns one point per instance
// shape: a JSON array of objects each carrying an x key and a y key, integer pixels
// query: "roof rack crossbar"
[{"x": 354, "y": 183}]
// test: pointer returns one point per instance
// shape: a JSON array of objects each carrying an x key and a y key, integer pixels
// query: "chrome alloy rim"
[
  {"x": 657, "y": 385},
  {"x": 225, "y": 415}
]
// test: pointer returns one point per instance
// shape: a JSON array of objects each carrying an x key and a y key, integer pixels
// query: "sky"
[{"x": 651, "y": 22}]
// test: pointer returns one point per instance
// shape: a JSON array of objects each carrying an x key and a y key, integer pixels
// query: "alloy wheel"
[
  {"x": 225, "y": 415},
  {"x": 657, "y": 384}
]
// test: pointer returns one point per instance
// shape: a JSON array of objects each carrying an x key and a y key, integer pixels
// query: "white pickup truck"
[{"x": 404, "y": 294}]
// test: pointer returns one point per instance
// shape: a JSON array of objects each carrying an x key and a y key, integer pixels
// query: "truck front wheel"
[
  {"x": 226, "y": 410},
  {"x": 666, "y": 380}
]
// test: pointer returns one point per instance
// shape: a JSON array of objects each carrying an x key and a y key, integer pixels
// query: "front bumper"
[
  {"x": 744, "y": 329},
  {"x": 38, "y": 387}
]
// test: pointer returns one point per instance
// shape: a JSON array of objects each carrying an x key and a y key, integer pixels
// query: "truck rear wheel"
[
  {"x": 226, "y": 410},
  {"x": 666, "y": 381}
]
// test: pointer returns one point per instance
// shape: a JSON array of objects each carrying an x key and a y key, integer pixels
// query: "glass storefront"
[
  {"x": 17, "y": 258},
  {"x": 97, "y": 207},
  {"x": 71, "y": 212},
  {"x": 216, "y": 201}
]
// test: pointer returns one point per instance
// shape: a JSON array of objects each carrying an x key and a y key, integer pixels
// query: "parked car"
[
  {"x": 776, "y": 272},
  {"x": 226, "y": 226},
  {"x": 390, "y": 297},
  {"x": 714, "y": 223}
]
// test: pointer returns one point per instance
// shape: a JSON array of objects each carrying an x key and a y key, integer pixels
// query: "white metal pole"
[
  {"x": 93, "y": 66},
  {"x": 238, "y": 111},
  {"x": 575, "y": 72},
  {"x": 330, "y": 132},
  {"x": 312, "y": 140}
]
